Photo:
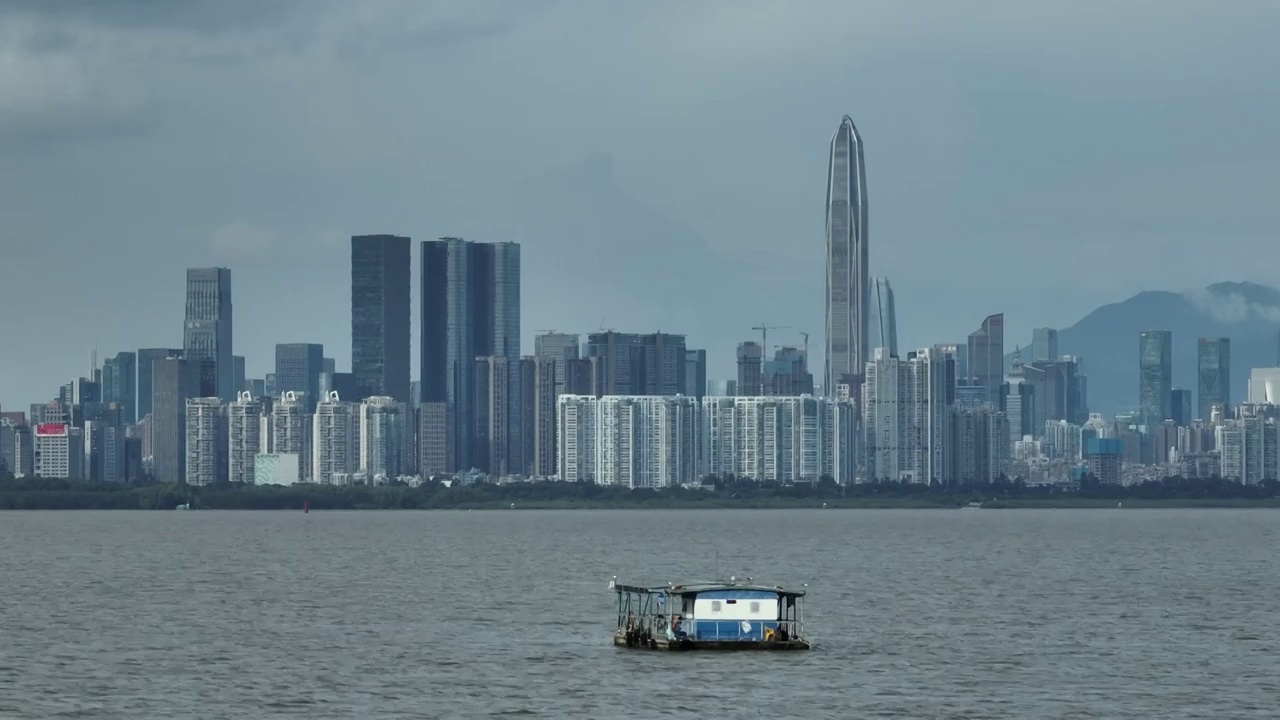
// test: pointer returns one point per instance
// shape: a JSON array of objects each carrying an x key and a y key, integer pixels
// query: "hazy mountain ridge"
[{"x": 1107, "y": 338}]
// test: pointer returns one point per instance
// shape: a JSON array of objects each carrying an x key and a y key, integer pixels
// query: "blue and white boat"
[{"x": 728, "y": 615}]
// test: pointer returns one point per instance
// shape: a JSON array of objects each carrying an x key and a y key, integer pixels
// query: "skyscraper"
[
  {"x": 986, "y": 357},
  {"x": 206, "y": 441},
  {"x": 1213, "y": 360},
  {"x": 244, "y": 437},
  {"x": 120, "y": 384},
  {"x": 750, "y": 368},
  {"x": 883, "y": 322},
  {"x": 847, "y": 291},
  {"x": 1044, "y": 345},
  {"x": 560, "y": 347},
  {"x": 146, "y": 360},
  {"x": 176, "y": 380},
  {"x": 470, "y": 308},
  {"x": 1155, "y": 376},
  {"x": 298, "y": 368},
  {"x": 380, "y": 309},
  {"x": 206, "y": 336}
]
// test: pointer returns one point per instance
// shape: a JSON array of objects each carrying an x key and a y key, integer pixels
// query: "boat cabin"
[{"x": 713, "y": 615}]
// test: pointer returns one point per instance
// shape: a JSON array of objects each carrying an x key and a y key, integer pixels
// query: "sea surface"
[{"x": 915, "y": 614}]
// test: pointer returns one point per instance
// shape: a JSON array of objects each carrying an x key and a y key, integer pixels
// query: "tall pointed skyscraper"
[
  {"x": 848, "y": 293},
  {"x": 380, "y": 305},
  {"x": 883, "y": 321}
]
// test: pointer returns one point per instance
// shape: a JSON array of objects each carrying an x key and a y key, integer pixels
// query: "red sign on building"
[{"x": 51, "y": 430}]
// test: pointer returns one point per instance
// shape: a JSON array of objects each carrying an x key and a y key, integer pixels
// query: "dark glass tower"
[
  {"x": 1155, "y": 376},
  {"x": 380, "y": 305},
  {"x": 986, "y": 357},
  {"x": 146, "y": 361},
  {"x": 470, "y": 309},
  {"x": 298, "y": 368},
  {"x": 206, "y": 336},
  {"x": 1213, "y": 370},
  {"x": 119, "y": 384},
  {"x": 848, "y": 294}
]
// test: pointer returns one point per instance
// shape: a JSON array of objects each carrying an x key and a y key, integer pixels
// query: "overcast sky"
[{"x": 663, "y": 163}]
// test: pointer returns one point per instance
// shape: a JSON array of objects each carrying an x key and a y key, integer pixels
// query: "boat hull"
[{"x": 686, "y": 645}]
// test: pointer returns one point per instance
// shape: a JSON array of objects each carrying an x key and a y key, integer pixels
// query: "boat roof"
[{"x": 695, "y": 588}]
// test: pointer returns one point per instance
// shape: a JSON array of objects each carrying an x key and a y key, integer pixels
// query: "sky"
[{"x": 662, "y": 163}]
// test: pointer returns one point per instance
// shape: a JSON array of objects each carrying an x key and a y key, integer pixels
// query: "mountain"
[{"x": 1107, "y": 338}]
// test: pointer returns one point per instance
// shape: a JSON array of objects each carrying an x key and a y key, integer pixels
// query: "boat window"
[
  {"x": 715, "y": 606},
  {"x": 732, "y": 602},
  {"x": 755, "y": 606}
]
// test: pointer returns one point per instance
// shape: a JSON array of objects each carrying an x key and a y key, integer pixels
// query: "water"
[{"x": 928, "y": 614}]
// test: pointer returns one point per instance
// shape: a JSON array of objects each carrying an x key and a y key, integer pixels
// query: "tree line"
[{"x": 714, "y": 493}]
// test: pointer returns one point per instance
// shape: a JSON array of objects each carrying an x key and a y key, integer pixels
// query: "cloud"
[
  {"x": 1231, "y": 307},
  {"x": 240, "y": 241}
]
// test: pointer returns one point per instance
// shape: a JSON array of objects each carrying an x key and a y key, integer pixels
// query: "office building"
[
  {"x": 206, "y": 337},
  {"x": 1213, "y": 374},
  {"x": 58, "y": 451},
  {"x": 1044, "y": 345},
  {"x": 16, "y": 447},
  {"x": 1264, "y": 386},
  {"x": 1155, "y": 376},
  {"x": 695, "y": 374},
  {"x": 247, "y": 432},
  {"x": 380, "y": 316},
  {"x": 335, "y": 440},
  {"x": 495, "y": 443},
  {"x": 560, "y": 347},
  {"x": 120, "y": 384},
  {"x": 385, "y": 439},
  {"x": 750, "y": 368},
  {"x": 847, "y": 288},
  {"x": 470, "y": 308},
  {"x": 1180, "y": 407},
  {"x": 206, "y": 441},
  {"x": 175, "y": 381},
  {"x": 882, "y": 323},
  {"x": 238, "y": 375},
  {"x": 986, "y": 358},
  {"x": 298, "y": 369},
  {"x": 540, "y": 408},
  {"x": 787, "y": 374}
]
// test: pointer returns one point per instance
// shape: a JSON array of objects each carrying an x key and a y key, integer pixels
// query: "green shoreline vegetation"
[{"x": 32, "y": 494}]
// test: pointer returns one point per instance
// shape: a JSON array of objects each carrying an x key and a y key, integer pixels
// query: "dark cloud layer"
[{"x": 1033, "y": 159}]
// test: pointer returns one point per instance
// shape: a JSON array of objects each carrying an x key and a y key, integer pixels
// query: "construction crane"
[{"x": 764, "y": 346}]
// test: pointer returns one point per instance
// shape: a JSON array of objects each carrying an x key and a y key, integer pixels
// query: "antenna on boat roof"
[{"x": 717, "y": 575}]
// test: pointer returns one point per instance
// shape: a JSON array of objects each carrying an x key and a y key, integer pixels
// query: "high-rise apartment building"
[
  {"x": 246, "y": 433},
  {"x": 986, "y": 358},
  {"x": 385, "y": 439},
  {"x": 237, "y": 374},
  {"x": 380, "y": 316},
  {"x": 175, "y": 381},
  {"x": 1155, "y": 376},
  {"x": 1044, "y": 345},
  {"x": 847, "y": 286},
  {"x": 882, "y": 318},
  {"x": 470, "y": 308},
  {"x": 120, "y": 384},
  {"x": 787, "y": 374},
  {"x": 298, "y": 369},
  {"x": 495, "y": 442},
  {"x": 546, "y": 389},
  {"x": 206, "y": 337},
  {"x": 206, "y": 441},
  {"x": 290, "y": 433},
  {"x": 905, "y": 415},
  {"x": 335, "y": 440},
  {"x": 433, "y": 439},
  {"x": 1213, "y": 372}
]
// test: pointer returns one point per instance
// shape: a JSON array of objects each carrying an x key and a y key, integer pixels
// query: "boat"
[
  {"x": 184, "y": 506},
  {"x": 726, "y": 615}
]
